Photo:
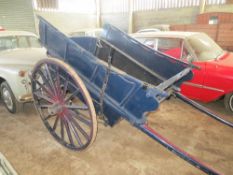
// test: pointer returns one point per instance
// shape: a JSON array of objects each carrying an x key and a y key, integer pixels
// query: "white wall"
[
  {"x": 120, "y": 20},
  {"x": 68, "y": 22},
  {"x": 186, "y": 15}
]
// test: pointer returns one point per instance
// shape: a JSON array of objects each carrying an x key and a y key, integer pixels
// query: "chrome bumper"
[{"x": 26, "y": 98}]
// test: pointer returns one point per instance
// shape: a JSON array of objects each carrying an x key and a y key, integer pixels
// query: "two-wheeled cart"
[{"x": 114, "y": 76}]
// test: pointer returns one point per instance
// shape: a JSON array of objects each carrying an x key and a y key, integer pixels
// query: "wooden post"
[
  {"x": 130, "y": 27},
  {"x": 202, "y": 6},
  {"x": 98, "y": 13}
]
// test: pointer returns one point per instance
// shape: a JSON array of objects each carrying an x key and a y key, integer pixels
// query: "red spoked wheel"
[{"x": 64, "y": 104}]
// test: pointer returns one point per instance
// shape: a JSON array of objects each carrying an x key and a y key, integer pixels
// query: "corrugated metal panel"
[
  {"x": 146, "y": 5},
  {"x": 46, "y": 4},
  {"x": 68, "y": 6},
  {"x": 213, "y": 2},
  {"x": 114, "y": 6},
  {"x": 17, "y": 15},
  {"x": 118, "y": 6}
]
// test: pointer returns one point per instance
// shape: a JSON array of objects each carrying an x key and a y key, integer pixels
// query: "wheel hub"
[{"x": 55, "y": 108}]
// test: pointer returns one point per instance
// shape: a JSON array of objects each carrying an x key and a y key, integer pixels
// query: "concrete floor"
[{"x": 122, "y": 149}]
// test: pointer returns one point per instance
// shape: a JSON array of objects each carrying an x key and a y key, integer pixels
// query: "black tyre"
[
  {"x": 8, "y": 98},
  {"x": 228, "y": 102}
]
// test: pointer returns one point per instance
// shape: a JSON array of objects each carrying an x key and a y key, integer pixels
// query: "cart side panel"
[
  {"x": 130, "y": 102},
  {"x": 88, "y": 43},
  {"x": 161, "y": 64},
  {"x": 101, "y": 50}
]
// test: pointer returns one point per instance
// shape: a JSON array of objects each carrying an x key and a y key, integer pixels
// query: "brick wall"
[{"x": 223, "y": 17}]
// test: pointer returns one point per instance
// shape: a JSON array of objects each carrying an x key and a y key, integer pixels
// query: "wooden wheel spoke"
[
  {"x": 66, "y": 123},
  {"x": 50, "y": 79},
  {"x": 74, "y": 94},
  {"x": 65, "y": 86},
  {"x": 45, "y": 106},
  {"x": 55, "y": 78},
  {"x": 49, "y": 116},
  {"x": 79, "y": 128},
  {"x": 81, "y": 118},
  {"x": 55, "y": 123},
  {"x": 43, "y": 87},
  {"x": 58, "y": 82},
  {"x": 76, "y": 134},
  {"x": 62, "y": 129},
  {"x": 78, "y": 107},
  {"x": 44, "y": 78},
  {"x": 40, "y": 95}
]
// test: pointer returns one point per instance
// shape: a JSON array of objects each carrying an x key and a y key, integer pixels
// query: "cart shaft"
[
  {"x": 203, "y": 109},
  {"x": 179, "y": 152}
]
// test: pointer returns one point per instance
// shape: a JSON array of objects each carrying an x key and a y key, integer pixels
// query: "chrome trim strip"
[{"x": 202, "y": 86}]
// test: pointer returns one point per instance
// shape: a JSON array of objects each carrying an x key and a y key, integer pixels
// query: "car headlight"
[{"x": 22, "y": 73}]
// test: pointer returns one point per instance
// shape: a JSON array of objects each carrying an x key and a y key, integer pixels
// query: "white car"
[
  {"x": 19, "y": 51},
  {"x": 155, "y": 28}
]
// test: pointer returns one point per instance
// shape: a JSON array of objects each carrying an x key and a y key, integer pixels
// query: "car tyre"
[
  {"x": 228, "y": 102},
  {"x": 8, "y": 98}
]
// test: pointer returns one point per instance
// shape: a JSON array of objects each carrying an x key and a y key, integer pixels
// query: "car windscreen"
[
  {"x": 204, "y": 47},
  {"x": 12, "y": 42},
  {"x": 7, "y": 42}
]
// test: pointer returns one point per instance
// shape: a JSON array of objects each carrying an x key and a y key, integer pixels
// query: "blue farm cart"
[{"x": 113, "y": 76}]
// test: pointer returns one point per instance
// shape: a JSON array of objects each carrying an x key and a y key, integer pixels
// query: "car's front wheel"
[
  {"x": 228, "y": 102},
  {"x": 8, "y": 98}
]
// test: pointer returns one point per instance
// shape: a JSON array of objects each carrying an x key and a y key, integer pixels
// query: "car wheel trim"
[{"x": 7, "y": 98}]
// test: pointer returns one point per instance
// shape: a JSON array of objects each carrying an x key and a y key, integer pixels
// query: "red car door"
[
  {"x": 175, "y": 47},
  {"x": 213, "y": 80},
  {"x": 194, "y": 88}
]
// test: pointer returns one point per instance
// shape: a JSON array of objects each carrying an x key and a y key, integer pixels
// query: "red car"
[{"x": 214, "y": 79}]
